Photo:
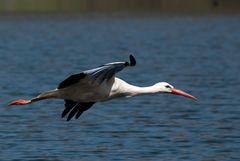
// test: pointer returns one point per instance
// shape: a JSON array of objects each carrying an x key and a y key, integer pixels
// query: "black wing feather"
[
  {"x": 83, "y": 108},
  {"x": 79, "y": 109},
  {"x": 132, "y": 61},
  {"x": 72, "y": 113},
  {"x": 107, "y": 71},
  {"x": 101, "y": 73},
  {"x": 68, "y": 106},
  {"x": 71, "y": 80},
  {"x": 72, "y": 108}
]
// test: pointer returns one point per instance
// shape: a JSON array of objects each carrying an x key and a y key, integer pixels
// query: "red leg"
[{"x": 20, "y": 102}]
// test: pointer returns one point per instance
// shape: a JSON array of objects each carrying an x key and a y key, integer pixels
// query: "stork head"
[{"x": 164, "y": 87}]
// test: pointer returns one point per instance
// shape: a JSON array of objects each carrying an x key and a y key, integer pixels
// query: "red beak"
[{"x": 179, "y": 92}]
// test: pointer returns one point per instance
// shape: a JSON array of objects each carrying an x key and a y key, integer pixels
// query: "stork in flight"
[{"x": 81, "y": 91}]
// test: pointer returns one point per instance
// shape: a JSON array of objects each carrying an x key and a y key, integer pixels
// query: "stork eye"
[{"x": 167, "y": 86}]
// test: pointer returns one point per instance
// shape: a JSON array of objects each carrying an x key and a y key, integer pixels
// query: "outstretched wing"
[
  {"x": 75, "y": 108},
  {"x": 99, "y": 74}
]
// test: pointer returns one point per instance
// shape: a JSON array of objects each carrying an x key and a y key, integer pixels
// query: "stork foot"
[{"x": 19, "y": 102}]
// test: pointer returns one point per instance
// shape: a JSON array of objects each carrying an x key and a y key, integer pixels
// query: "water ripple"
[{"x": 196, "y": 54}]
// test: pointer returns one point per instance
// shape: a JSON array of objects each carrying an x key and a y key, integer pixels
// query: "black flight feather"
[
  {"x": 83, "y": 108},
  {"x": 132, "y": 60},
  {"x": 101, "y": 73},
  {"x": 72, "y": 108},
  {"x": 68, "y": 106},
  {"x": 72, "y": 113},
  {"x": 71, "y": 80}
]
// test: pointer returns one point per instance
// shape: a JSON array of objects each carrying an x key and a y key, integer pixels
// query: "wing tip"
[{"x": 132, "y": 60}]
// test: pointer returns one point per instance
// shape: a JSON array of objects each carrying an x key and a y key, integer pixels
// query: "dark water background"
[{"x": 198, "y": 54}]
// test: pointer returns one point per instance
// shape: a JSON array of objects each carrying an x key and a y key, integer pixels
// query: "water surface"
[{"x": 197, "y": 54}]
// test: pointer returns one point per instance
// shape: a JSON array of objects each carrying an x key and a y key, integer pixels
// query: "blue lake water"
[{"x": 198, "y": 54}]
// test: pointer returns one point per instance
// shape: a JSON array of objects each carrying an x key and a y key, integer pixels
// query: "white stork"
[{"x": 80, "y": 91}]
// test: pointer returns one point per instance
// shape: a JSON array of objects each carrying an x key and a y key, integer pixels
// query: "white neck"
[
  {"x": 134, "y": 90},
  {"x": 123, "y": 89}
]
